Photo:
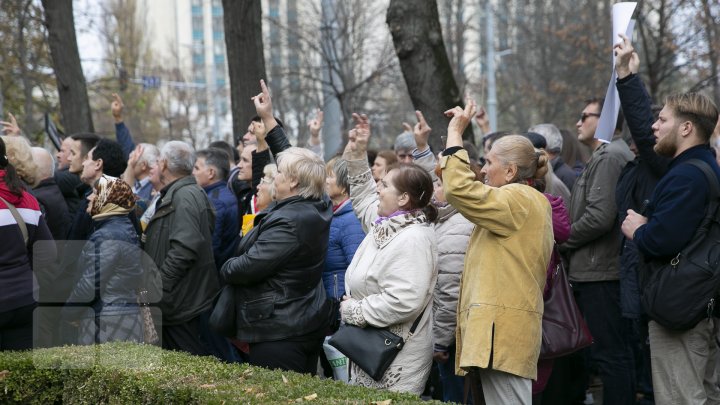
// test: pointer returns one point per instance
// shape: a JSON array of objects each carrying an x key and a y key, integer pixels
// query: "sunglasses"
[{"x": 585, "y": 116}]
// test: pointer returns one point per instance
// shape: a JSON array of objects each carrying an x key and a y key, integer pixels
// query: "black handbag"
[
  {"x": 222, "y": 317},
  {"x": 372, "y": 349}
]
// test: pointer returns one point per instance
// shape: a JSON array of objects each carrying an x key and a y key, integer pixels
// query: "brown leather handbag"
[{"x": 564, "y": 330}]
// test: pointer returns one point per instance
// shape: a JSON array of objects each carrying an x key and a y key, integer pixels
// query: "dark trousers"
[
  {"x": 16, "y": 328},
  {"x": 453, "y": 386},
  {"x": 611, "y": 351},
  {"x": 301, "y": 356},
  {"x": 186, "y": 337}
]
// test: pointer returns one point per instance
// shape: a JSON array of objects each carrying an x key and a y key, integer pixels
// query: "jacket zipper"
[{"x": 336, "y": 286}]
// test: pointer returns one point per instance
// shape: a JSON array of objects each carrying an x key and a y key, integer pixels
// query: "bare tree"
[
  {"x": 710, "y": 17},
  {"x": 125, "y": 34},
  {"x": 415, "y": 28},
  {"x": 24, "y": 64},
  {"x": 357, "y": 53},
  {"x": 246, "y": 62},
  {"x": 74, "y": 104}
]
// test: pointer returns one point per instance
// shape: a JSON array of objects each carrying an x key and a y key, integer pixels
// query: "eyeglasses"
[{"x": 585, "y": 116}]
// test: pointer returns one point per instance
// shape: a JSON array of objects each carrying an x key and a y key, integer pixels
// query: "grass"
[{"x": 124, "y": 373}]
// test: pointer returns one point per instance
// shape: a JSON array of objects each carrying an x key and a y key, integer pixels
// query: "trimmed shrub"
[{"x": 127, "y": 373}]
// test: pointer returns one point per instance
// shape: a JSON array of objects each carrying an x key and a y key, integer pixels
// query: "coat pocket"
[{"x": 258, "y": 310}]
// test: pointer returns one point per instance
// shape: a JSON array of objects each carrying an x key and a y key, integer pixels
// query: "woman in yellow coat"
[{"x": 500, "y": 307}]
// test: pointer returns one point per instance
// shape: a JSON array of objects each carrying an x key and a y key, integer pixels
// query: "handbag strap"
[
  {"x": 417, "y": 321},
  {"x": 18, "y": 219},
  {"x": 709, "y": 175}
]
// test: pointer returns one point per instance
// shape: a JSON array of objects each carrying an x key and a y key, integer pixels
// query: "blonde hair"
[
  {"x": 305, "y": 167},
  {"x": 696, "y": 108},
  {"x": 519, "y": 151},
  {"x": 270, "y": 170},
  {"x": 19, "y": 154}
]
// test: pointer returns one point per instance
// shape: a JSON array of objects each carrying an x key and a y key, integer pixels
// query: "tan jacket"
[{"x": 500, "y": 305}]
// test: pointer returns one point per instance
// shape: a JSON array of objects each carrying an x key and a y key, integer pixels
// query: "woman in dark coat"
[
  {"x": 281, "y": 308},
  {"x": 105, "y": 301}
]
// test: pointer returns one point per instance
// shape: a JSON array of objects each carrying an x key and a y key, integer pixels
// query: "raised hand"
[
  {"x": 421, "y": 130},
  {"x": 263, "y": 102},
  {"x": 135, "y": 156},
  {"x": 11, "y": 127},
  {"x": 358, "y": 138},
  {"x": 315, "y": 124},
  {"x": 481, "y": 118},
  {"x": 116, "y": 107},
  {"x": 460, "y": 119},
  {"x": 626, "y": 59}
]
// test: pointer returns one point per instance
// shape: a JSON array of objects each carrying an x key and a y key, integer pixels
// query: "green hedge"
[{"x": 127, "y": 373}]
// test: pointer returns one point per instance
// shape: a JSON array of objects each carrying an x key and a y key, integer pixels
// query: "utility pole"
[{"x": 332, "y": 131}]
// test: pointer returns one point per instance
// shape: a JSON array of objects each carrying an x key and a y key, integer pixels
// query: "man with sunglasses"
[{"x": 593, "y": 251}]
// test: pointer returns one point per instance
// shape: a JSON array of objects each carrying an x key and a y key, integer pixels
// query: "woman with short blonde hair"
[{"x": 19, "y": 154}]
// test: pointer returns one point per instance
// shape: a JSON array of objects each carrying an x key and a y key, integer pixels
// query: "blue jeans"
[
  {"x": 610, "y": 352},
  {"x": 453, "y": 385}
]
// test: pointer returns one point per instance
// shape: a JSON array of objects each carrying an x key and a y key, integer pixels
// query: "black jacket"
[
  {"x": 636, "y": 184},
  {"x": 277, "y": 276},
  {"x": 68, "y": 184},
  {"x": 54, "y": 207}
]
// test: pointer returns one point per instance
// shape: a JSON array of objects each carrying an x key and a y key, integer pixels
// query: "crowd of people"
[{"x": 259, "y": 252}]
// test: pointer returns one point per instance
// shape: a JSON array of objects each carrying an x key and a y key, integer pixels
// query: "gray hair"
[
  {"x": 305, "y": 167},
  {"x": 405, "y": 141},
  {"x": 340, "y": 169},
  {"x": 218, "y": 159},
  {"x": 45, "y": 163},
  {"x": 552, "y": 136},
  {"x": 180, "y": 157},
  {"x": 150, "y": 154}
]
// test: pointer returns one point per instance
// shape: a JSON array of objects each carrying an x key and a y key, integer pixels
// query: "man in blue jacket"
[
  {"x": 683, "y": 363},
  {"x": 211, "y": 171}
]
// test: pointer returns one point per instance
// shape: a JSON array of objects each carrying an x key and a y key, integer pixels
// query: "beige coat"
[
  {"x": 391, "y": 279},
  {"x": 500, "y": 305}
]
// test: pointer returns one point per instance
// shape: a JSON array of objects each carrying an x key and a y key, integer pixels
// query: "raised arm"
[
  {"x": 122, "y": 133},
  {"x": 315, "y": 125},
  {"x": 636, "y": 106},
  {"x": 274, "y": 134},
  {"x": 422, "y": 155},
  {"x": 363, "y": 191}
]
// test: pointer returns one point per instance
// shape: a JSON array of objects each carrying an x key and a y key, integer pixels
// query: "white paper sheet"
[{"x": 622, "y": 22}]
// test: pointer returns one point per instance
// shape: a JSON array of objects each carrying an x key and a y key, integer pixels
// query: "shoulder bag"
[
  {"x": 372, "y": 349},
  {"x": 680, "y": 292},
  {"x": 564, "y": 330},
  {"x": 18, "y": 219}
]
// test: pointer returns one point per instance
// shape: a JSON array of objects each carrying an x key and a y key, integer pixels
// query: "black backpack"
[{"x": 681, "y": 292}]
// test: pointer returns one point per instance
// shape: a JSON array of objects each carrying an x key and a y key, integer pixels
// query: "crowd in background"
[{"x": 257, "y": 253}]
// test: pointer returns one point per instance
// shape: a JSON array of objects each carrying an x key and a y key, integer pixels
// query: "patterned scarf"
[
  {"x": 386, "y": 229},
  {"x": 112, "y": 197}
]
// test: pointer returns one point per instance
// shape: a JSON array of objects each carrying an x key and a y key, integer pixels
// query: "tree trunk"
[
  {"x": 246, "y": 63},
  {"x": 415, "y": 28},
  {"x": 74, "y": 104},
  {"x": 711, "y": 34}
]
